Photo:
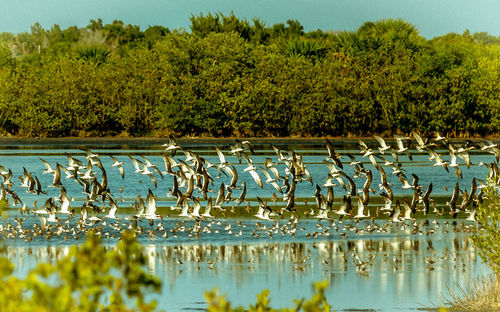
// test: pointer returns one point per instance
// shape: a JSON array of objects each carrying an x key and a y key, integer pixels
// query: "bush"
[{"x": 487, "y": 235}]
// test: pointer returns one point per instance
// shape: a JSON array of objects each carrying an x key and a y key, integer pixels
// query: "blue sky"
[{"x": 431, "y": 17}]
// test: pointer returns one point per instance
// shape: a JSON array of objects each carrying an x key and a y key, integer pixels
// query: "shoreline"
[{"x": 203, "y": 140}]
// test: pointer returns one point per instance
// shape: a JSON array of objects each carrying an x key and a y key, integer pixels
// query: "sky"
[{"x": 431, "y": 17}]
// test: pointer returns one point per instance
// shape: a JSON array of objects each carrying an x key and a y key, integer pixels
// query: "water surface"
[{"x": 373, "y": 264}]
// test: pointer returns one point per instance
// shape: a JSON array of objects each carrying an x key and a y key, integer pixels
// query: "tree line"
[{"x": 232, "y": 77}]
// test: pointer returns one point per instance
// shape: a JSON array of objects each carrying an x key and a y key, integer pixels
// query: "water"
[
  {"x": 18, "y": 156},
  {"x": 371, "y": 265}
]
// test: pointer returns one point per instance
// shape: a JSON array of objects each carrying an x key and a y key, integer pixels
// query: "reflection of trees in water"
[
  {"x": 404, "y": 265},
  {"x": 450, "y": 252}
]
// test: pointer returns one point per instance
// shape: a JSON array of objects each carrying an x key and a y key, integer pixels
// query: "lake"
[{"x": 370, "y": 263}]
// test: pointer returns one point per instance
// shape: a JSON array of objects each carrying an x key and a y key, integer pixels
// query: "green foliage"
[
  {"x": 94, "y": 54},
  {"x": 487, "y": 235},
  {"x": 309, "y": 49},
  {"x": 89, "y": 278},
  {"x": 202, "y": 26},
  {"x": 318, "y": 303},
  {"x": 218, "y": 23},
  {"x": 6, "y": 59},
  {"x": 232, "y": 77}
]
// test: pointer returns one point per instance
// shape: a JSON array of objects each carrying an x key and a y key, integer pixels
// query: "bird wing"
[
  {"x": 419, "y": 139},
  {"x": 222, "y": 159},
  {"x": 399, "y": 142},
  {"x": 150, "y": 203},
  {"x": 363, "y": 146},
  {"x": 381, "y": 141},
  {"x": 47, "y": 165},
  {"x": 329, "y": 147},
  {"x": 256, "y": 177}
]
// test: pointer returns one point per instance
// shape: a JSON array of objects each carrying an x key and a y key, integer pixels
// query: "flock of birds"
[{"x": 195, "y": 180}]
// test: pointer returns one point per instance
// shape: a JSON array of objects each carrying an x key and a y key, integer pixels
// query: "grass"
[{"x": 483, "y": 295}]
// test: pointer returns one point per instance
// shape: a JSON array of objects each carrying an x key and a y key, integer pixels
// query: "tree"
[{"x": 487, "y": 235}]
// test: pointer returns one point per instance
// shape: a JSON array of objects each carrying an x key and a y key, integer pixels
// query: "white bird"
[
  {"x": 151, "y": 165},
  {"x": 401, "y": 147},
  {"x": 119, "y": 165},
  {"x": 45, "y": 209},
  {"x": 407, "y": 214},
  {"x": 185, "y": 209},
  {"x": 171, "y": 145},
  {"x": 268, "y": 163},
  {"x": 438, "y": 160},
  {"x": 396, "y": 212},
  {"x": 383, "y": 146},
  {"x": 263, "y": 211},
  {"x": 73, "y": 163},
  {"x": 344, "y": 207},
  {"x": 52, "y": 217},
  {"x": 220, "y": 197},
  {"x": 150, "y": 211},
  {"x": 323, "y": 211},
  {"x": 113, "y": 208},
  {"x": 361, "y": 207},
  {"x": 472, "y": 215},
  {"x": 222, "y": 159},
  {"x": 208, "y": 209},
  {"x": 270, "y": 180},
  {"x": 253, "y": 172},
  {"x": 47, "y": 166},
  {"x": 196, "y": 208},
  {"x": 56, "y": 182},
  {"x": 136, "y": 162},
  {"x": 387, "y": 204},
  {"x": 421, "y": 146},
  {"x": 65, "y": 206}
]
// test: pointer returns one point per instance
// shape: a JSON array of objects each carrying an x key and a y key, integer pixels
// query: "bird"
[
  {"x": 452, "y": 204},
  {"x": 253, "y": 172},
  {"x": 219, "y": 200},
  {"x": 192, "y": 177},
  {"x": 113, "y": 209},
  {"x": 345, "y": 207},
  {"x": 208, "y": 209},
  {"x": 270, "y": 180},
  {"x": 425, "y": 199},
  {"x": 56, "y": 182},
  {"x": 119, "y": 165},
  {"x": 401, "y": 148},
  {"x": 243, "y": 193},
  {"x": 263, "y": 211},
  {"x": 383, "y": 146},
  {"x": 48, "y": 169},
  {"x": 360, "y": 211},
  {"x": 171, "y": 146},
  {"x": 150, "y": 211},
  {"x": 222, "y": 158},
  {"x": 438, "y": 160},
  {"x": 332, "y": 155}
]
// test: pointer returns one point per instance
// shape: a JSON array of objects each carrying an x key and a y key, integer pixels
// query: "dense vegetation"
[
  {"x": 487, "y": 236},
  {"x": 232, "y": 77}
]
